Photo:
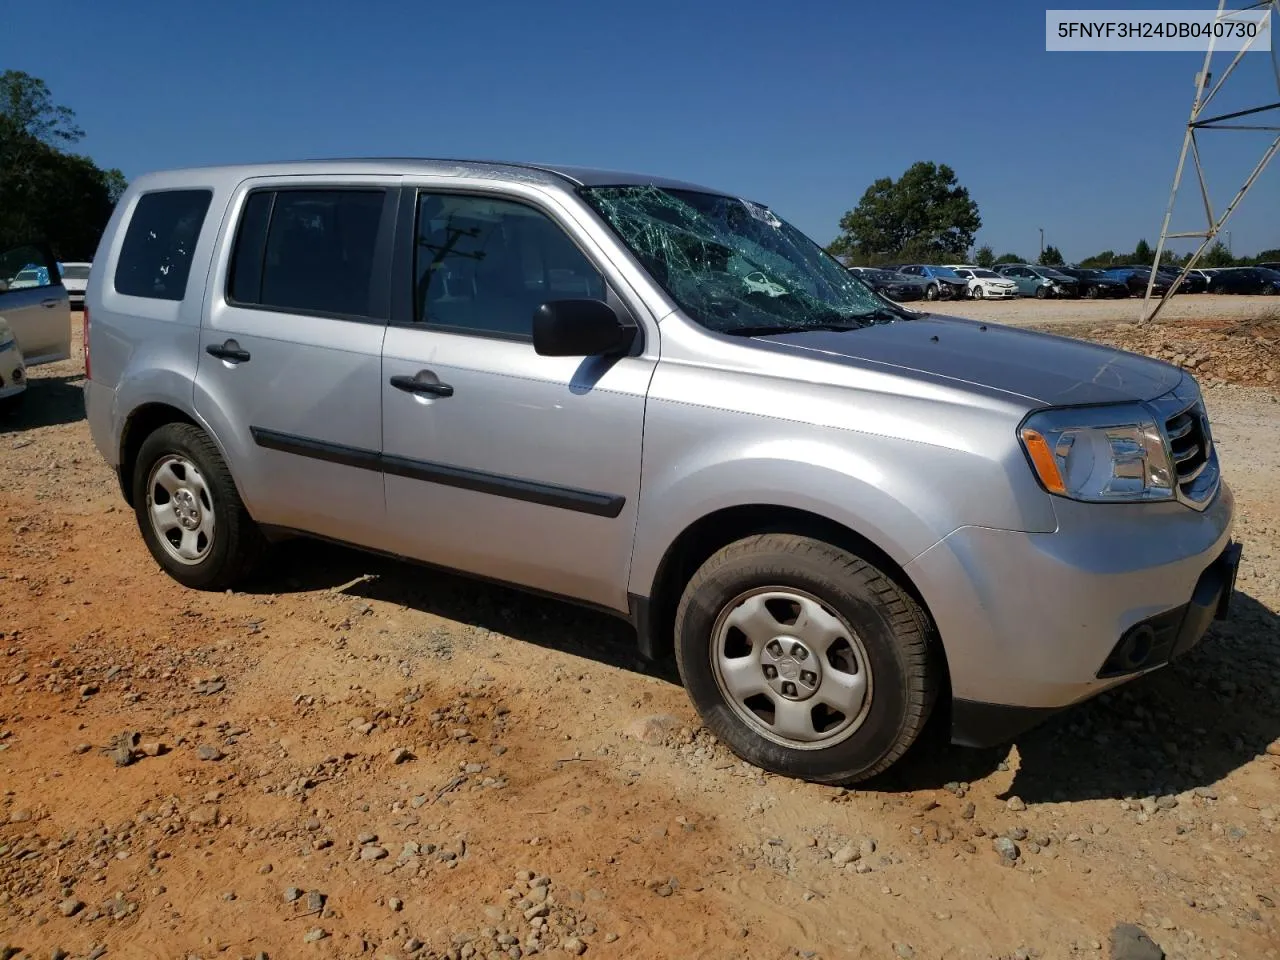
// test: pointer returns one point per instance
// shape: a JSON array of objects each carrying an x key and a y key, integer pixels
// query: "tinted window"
[
  {"x": 24, "y": 267},
  {"x": 155, "y": 257},
  {"x": 245, "y": 285},
  {"x": 74, "y": 271},
  {"x": 486, "y": 264},
  {"x": 308, "y": 251}
]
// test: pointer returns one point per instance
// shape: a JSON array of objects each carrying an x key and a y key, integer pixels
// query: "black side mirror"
[{"x": 579, "y": 328}]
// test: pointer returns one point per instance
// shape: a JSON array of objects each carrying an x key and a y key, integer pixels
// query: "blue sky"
[{"x": 799, "y": 105}]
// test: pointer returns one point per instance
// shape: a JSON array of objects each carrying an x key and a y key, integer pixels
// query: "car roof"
[{"x": 393, "y": 166}]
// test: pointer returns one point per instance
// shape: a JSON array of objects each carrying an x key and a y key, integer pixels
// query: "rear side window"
[
  {"x": 308, "y": 251},
  {"x": 155, "y": 258}
]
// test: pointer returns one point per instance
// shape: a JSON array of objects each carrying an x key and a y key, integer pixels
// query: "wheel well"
[
  {"x": 704, "y": 537},
  {"x": 143, "y": 422}
]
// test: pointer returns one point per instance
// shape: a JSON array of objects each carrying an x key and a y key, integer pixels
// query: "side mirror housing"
[{"x": 579, "y": 328}]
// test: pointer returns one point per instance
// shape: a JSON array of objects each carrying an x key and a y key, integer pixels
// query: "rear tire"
[
  {"x": 977, "y": 293},
  {"x": 190, "y": 512},
  {"x": 854, "y": 674}
]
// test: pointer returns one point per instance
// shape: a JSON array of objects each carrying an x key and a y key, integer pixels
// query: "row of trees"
[
  {"x": 926, "y": 216},
  {"x": 48, "y": 192}
]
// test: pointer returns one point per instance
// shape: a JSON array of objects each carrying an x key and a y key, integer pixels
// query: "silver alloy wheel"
[
  {"x": 181, "y": 509},
  {"x": 791, "y": 668},
  {"x": 977, "y": 292}
]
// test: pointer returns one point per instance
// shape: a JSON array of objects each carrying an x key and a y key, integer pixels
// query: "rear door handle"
[
  {"x": 50, "y": 304},
  {"x": 420, "y": 384},
  {"x": 229, "y": 350}
]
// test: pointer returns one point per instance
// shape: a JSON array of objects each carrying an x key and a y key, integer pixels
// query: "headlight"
[{"x": 1113, "y": 454}]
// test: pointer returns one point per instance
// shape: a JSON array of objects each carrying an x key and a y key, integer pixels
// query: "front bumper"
[
  {"x": 13, "y": 374},
  {"x": 1144, "y": 647},
  {"x": 1029, "y": 620}
]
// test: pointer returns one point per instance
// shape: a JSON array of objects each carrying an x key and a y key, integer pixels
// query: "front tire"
[
  {"x": 1042, "y": 292},
  {"x": 977, "y": 293},
  {"x": 190, "y": 512},
  {"x": 805, "y": 660},
  {"x": 931, "y": 292}
]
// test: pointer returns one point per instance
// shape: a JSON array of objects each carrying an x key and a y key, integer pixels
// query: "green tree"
[
  {"x": 923, "y": 215},
  {"x": 45, "y": 193},
  {"x": 1009, "y": 258},
  {"x": 1217, "y": 256},
  {"x": 28, "y": 107},
  {"x": 1104, "y": 259},
  {"x": 1052, "y": 257},
  {"x": 1267, "y": 256},
  {"x": 985, "y": 257},
  {"x": 1143, "y": 253}
]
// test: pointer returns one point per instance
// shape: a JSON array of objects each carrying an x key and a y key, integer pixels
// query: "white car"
[
  {"x": 986, "y": 284},
  {"x": 75, "y": 277},
  {"x": 13, "y": 372}
]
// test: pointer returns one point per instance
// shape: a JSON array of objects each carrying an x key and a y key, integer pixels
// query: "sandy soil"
[{"x": 364, "y": 758}]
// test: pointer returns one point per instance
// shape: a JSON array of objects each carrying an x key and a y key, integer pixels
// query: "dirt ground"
[{"x": 364, "y": 758}]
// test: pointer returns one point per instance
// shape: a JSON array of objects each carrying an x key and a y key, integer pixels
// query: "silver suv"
[{"x": 665, "y": 402}]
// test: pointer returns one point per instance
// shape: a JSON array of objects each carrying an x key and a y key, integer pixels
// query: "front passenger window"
[{"x": 484, "y": 264}]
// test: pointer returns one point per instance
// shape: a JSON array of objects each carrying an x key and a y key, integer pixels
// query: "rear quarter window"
[{"x": 155, "y": 258}]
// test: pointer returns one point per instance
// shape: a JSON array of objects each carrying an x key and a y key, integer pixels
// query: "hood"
[{"x": 1036, "y": 366}]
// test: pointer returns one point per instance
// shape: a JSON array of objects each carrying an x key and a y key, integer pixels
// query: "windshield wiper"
[{"x": 764, "y": 330}]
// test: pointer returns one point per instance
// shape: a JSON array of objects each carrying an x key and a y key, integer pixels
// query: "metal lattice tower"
[{"x": 1200, "y": 122}]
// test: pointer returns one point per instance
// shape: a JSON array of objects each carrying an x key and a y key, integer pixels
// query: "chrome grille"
[{"x": 1191, "y": 447}]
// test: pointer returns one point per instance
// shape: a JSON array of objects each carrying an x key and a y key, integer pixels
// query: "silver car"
[
  {"x": 35, "y": 304},
  {"x": 665, "y": 402}
]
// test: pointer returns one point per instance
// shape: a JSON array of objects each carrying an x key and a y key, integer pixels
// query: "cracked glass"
[{"x": 733, "y": 266}]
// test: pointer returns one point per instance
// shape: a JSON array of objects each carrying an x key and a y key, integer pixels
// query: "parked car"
[
  {"x": 13, "y": 374},
  {"x": 943, "y": 283},
  {"x": 894, "y": 285},
  {"x": 1250, "y": 280},
  {"x": 836, "y": 511},
  {"x": 1270, "y": 265},
  {"x": 74, "y": 277},
  {"x": 1191, "y": 283},
  {"x": 1136, "y": 279},
  {"x": 986, "y": 284},
  {"x": 35, "y": 304},
  {"x": 1094, "y": 283},
  {"x": 1040, "y": 282}
]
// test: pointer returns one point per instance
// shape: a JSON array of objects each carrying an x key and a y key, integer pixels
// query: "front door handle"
[
  {"x": 423, "y": 382},
  {"x": 229, "y": 350},
  {"x": 49, "y": 304}
]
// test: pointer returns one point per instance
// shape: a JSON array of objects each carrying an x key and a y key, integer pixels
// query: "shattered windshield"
[{"x": 733, "y": 266}]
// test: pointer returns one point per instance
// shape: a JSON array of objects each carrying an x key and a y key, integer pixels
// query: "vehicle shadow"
[
  {"x": 308, "y": 565},
  {"x": 1185, "y": 726},
  {"x": 49, "y": 401}
]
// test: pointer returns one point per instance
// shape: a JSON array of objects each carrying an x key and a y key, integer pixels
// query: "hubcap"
[
  {"x": 791, "y": 668},
  {"x": 180, "y": 508}
]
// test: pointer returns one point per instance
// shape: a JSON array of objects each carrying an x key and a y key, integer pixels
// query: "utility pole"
[{"x": 1042, "y": 243}]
